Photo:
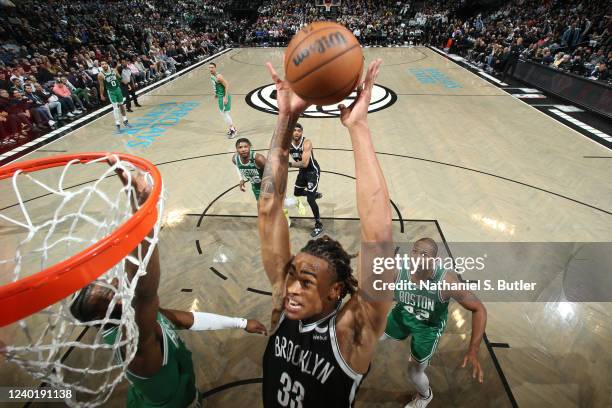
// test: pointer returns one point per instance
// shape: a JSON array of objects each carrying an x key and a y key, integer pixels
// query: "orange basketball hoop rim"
[{"x": 33, "y": 293}]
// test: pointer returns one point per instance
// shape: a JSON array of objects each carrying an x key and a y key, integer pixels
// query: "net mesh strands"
[{"x": 52, "y": 345}]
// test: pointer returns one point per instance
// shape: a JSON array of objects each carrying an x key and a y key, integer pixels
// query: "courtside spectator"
[
  {"x": 55, "y": 107},
  {"x": 65, "y": 97},
  {"x": 39, "y": 108}
]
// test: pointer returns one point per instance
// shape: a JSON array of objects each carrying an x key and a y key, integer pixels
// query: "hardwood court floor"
[{"x": 464, "y": 163}]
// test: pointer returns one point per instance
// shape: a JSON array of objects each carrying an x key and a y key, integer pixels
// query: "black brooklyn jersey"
[
  {"x": 303, "y": 367},
  {"x": 297, "y": 151}
]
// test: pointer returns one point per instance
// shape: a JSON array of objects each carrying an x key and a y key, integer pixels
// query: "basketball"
[{"x": 323, "y": 63}]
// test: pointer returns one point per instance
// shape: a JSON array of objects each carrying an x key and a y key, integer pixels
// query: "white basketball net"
[{"x": 51, "y": 345}]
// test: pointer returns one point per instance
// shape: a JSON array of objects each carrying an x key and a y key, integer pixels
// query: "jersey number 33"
[{"x": 291, "y": 394}]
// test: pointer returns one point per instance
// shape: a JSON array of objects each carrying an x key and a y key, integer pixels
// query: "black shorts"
[{"x": 307, "y": 182}]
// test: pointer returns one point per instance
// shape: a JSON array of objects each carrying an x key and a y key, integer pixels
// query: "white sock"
[
  {"x": 125, "y": 118},
  {"x": 290, "y": 202},
  {"x": 228, "y": 119},
  {"x": 116, "y": 114},
  {"x": 416, "y": 372}
]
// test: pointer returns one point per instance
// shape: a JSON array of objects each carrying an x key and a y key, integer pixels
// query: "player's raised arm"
[
  {"x": 146, "y": 301},
  {"x": 372, "y": 202},
  {"x": 273, "y": 228}
]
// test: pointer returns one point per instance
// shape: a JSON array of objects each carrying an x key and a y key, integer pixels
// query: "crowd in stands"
[
  {"x": 564, "y": 34},
  {"x": 50, "y": 51},
  {"x": 382, "y": 22},
  {"x": 50, "y": 54}
]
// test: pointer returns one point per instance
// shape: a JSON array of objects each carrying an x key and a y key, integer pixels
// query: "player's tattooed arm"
[
  {"x": 273, "y": 228},
  {"x": 274, "y": 181}
]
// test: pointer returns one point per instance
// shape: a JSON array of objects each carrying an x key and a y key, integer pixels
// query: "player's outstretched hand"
[
  {"x": 288, "y": 102},
  {"x": 472, "y": 358},
  {"x": 138, "y": 181},
  {"x": 357, "y": 113},
  {"x": 255, "y": 326}
]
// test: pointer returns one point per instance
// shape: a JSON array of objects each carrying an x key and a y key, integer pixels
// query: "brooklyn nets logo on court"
[{"x": 264, "y": 99}]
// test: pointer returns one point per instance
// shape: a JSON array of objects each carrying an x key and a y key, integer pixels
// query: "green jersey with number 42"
[{"x": 424, "y": 307}]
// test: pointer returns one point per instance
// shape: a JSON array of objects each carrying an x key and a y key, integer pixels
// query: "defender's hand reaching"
[
  {"x": 138, "y": 181},
  {"x": 255, "y": 326}
]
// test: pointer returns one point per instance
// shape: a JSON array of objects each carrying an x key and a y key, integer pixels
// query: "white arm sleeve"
[{"x": 211, "y": 321}]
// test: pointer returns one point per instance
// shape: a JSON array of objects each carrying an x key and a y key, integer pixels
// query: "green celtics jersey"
[
  {"x": 111, "y": 81},
  {"x": 218, "y": 87},
  {"x": 424, "y": 306},
  {"x": 174, "y": 384},
  {"x": 249, "y": 171}
]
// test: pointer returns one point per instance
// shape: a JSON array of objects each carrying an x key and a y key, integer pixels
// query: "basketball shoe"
[
  {"x": 419, "y": 401},
  {"x": 300, "y": 207}
]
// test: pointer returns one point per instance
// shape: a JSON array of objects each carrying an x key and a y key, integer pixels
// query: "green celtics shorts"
[
  {"x": 116, "y": 96},
  {"x": 256, "y": 190},
  {"x": 228, "y": 106},
  {"x": 423, "y": 339}
]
